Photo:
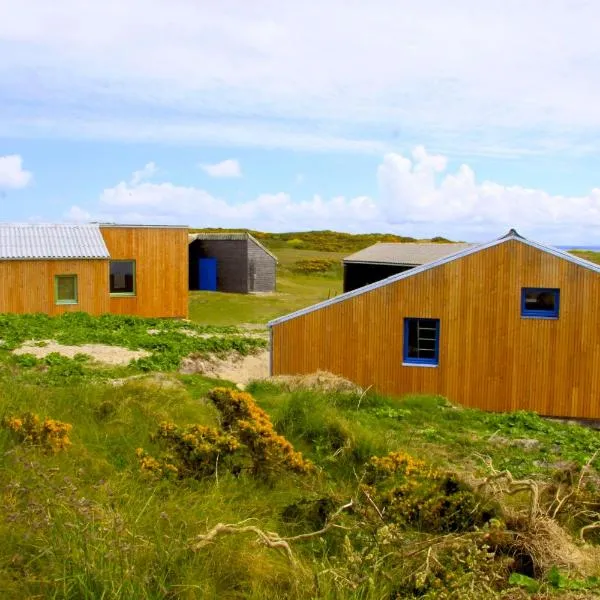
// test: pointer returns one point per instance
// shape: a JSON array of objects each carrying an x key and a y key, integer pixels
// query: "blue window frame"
[
  {"x": 421, "y": 342},
  {"x": 540, "y": 303}
]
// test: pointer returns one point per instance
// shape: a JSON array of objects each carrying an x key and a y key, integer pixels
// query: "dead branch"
[
  {"x": 372, "y": 503},
  {"x": 503, "y": 482},
  {"x": 589, "y": 527},
  {"x": 560, "y": 502},
  {"x": 269, "y": 539}
]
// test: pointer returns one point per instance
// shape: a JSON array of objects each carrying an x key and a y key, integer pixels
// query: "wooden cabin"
[
  {"x": 382, "y": 260},
  {"x": 95, "y": 268},
  {"x": 503, "y": 326},
  {"x": 230, "y": 262}
]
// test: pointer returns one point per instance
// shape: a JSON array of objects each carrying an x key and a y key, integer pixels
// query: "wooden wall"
[
  {"x": 490, "y": 357},
  {"x": 161, "y": 255},
  {"x": 28, "y": 286}
]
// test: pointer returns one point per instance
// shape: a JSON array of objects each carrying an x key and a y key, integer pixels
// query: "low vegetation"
[
  {"x": 192, "y": 490},
  {"x": 324, "y": 241},
  {"x": 166, "y": 341}
]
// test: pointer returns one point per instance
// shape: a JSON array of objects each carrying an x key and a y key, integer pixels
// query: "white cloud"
[
  {"x": 467, "y": 76},
  {"x": 78, "y": 215},
  {"x": 418, "y": 196},
  {"x": 12, "y": 174},
  {"x": 225, "y": 168},
  {"x": 147, "y": 172}
]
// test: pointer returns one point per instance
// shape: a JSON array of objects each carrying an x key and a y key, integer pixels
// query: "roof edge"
[
  {"x": 253, "y": 239},
  {"x": 512, "y": 235},
  {"x": 133, "y": 226}
]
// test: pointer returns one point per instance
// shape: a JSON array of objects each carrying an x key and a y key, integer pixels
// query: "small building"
[
  {"x": 95, "y": 268},
  {"x": 383, "y": 260},
  {"x": 503, "y": 326},
  {"x": 230, "y": 262}
]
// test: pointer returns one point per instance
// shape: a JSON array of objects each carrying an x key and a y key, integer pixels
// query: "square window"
[
  {"x": 540, "y": 303},
  {"x": 122, "y": 277},
  {"x": 65, "y": 289},
  {"x": 421, "y": 342}
]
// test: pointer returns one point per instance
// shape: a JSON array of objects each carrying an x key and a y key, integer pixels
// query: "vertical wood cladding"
[
  {"x": 27, "y": 286},
  {"x": 161, "y": 256},
  {"x": 242, "y": 265},
  {"x": 490, "y": 357},
  {"x": 232, "y": 262},
  {"x": 262, "y": 269}
]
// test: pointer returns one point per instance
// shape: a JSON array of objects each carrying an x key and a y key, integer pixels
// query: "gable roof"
[
  {"x": 511, "y": 235},
  {"x": 406, "y": 254},
  {"x": 24, "y": 241},
  {"x": 235, "y": 236}
]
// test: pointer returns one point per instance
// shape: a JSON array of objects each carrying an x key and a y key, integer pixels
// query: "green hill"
[{"x": 326, "y": 241}]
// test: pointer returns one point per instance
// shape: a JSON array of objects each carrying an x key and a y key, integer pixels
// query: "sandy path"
[
  {"x": 109, "y": 355},
  {"x": 237, "y": 368}
]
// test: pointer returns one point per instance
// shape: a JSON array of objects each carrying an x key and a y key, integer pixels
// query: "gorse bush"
[
  {"x": 245, "y": 419},
  {"x": 247, "y": 441},
  {"x": 312, "y": 266},
  {"x": 413, "y": 493},
  {"x": 192, "y": 452},
  {"x": 50, "y": 435}
]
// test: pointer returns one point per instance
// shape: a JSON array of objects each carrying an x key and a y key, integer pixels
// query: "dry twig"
[{"x": 267, "y": 538}]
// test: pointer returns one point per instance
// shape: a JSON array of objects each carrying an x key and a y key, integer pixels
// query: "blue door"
[{"x": 208, "y": 274}]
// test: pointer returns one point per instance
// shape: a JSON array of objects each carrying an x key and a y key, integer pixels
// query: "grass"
[
  {"x": 166, "y": 341},
  {"x": 294, "y": 291},
  {"x": 87, "y": 522}
]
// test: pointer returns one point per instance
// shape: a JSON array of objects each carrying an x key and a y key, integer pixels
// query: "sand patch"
[
  {"x": 102, "y": 353},
  {"x": 322, "y": 381},
  {"x": 159, "y": 380},
  {"x": 240, "y": 334},
  {"x": 236, "y": 367}
]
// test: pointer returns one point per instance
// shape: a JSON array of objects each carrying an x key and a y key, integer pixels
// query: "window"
[
  {"x": 122, "y": 277},
  {"x": 540, "y": 303},
  {"x": 421, "y": 341},
  {"x": 65, "y": 289}
]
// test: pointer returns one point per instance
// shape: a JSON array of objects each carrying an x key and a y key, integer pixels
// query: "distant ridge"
[{"x": 325, "y": 240}]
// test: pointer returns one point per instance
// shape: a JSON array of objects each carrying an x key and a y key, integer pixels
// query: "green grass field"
[{"x": 294, "y": 291}]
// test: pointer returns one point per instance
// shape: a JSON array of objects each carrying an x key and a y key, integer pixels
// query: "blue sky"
[{"x": 459, "y": 119}]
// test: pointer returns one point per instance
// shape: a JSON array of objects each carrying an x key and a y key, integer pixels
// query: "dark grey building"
[
  {"x": 383, "y": 260},
  {"x": 230, "y": 262}
]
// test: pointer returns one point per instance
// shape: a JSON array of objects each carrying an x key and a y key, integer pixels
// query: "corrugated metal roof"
[
  {"x": 47, "y": 241},
  {"x": 511, "y": 235},
  {"x": 232, "y": 236},
  {"x": 410, "y": 254},
  {"x": 236, "y": 236}
]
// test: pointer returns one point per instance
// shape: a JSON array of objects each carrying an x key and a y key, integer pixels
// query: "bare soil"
[
  {"x": 237, "y": 368},
  {"x": 108, "y": 355}
]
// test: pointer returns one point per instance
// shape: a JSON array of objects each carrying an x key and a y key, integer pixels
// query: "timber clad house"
[
  {"x": 503, "y": 326},
  {"x": 230, "y": 262},
  {"x": 95, "y": 268},
  {"x": 384, "y": 259}
]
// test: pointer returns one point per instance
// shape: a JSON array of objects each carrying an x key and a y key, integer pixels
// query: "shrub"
[
  {"x": 196, "y": 449},
  {"x": 311, "y": 266},
  {"x": 252, "y": 426},
  {"x": 51, "y": 435},
  {"x": 248, "y": 439},
  {"x": 413, "y": 493}
]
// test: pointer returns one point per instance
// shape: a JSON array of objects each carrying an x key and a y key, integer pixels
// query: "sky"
[{"x": 461, "y": 119}]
